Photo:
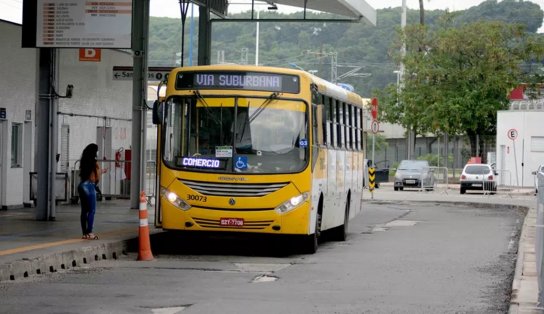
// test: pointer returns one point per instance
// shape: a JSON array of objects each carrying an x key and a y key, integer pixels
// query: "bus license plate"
[{"x": 231, "y": 222}]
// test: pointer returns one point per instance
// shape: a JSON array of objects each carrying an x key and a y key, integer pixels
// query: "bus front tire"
[
  {"x": 340, "y": 233},
  {"x": 311, "y": 242}
]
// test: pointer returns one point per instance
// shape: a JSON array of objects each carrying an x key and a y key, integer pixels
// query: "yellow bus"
[{"x": 259, "y": 150}]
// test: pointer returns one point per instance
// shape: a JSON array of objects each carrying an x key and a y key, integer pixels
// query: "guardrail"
[
  {"x": 61, "y": 186},
  {"x": 539, "y": 243},
  {"x": 150, "y": 180},
  {"x": 441, "y": 178},
  {"x": 502, "y": 175},
  {"x": 115, "y": 181}
]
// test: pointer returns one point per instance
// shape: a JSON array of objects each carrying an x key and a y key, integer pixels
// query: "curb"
[
  {"x": 518, "y": 272},
  {"x": 51, "y": 263}
]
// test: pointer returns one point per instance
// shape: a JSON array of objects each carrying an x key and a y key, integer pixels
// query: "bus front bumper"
[{"x": 295, "y": 221}]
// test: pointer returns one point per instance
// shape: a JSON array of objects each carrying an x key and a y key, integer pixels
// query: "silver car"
[{"x": 414, "y": 174}]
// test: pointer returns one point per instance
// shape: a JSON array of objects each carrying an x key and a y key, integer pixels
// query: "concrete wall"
[
  {"x": 17, "y": 96},
  {"x": 98, "y": 101},
  {"x": 516, "y": 159}
]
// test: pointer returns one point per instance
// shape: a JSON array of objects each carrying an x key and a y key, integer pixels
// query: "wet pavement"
[{"x": 29, "y": 247}]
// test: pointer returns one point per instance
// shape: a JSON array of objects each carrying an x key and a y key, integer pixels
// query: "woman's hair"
[{"x": 87, "y": 163}]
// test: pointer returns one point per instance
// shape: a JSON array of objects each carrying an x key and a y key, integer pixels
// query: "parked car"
[
  {"x": 414, "y": 174},
  {"x": 478, "y": 177},
  {"x": 540, "y": 169}
]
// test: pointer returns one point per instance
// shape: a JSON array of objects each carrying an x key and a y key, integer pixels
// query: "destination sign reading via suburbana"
[{"x": 238, "y": 80}]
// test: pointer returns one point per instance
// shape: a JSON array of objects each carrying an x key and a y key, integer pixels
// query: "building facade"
[{"x": 100, "y": 111}]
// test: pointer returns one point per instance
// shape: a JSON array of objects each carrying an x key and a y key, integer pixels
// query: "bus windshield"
[{"x": 235, "y": 134}]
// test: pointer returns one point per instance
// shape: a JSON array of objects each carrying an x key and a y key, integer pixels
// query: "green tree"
[{"x": 458, "y": 78}]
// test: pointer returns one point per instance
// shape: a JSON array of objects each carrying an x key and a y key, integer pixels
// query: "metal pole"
[
  {"x": 373, "y": 145},
  {"x": 53, "y": 138},
  {"x": 204, "y": 35},
  {"x": 44, "y": 108},
  {"x": 515, "y": 162},
  {"x": 522, "y": 162},
  {"x": 257, "y": 40},
  {"x": 191, "y": 31},
  {"x": 139, "y": 98}
]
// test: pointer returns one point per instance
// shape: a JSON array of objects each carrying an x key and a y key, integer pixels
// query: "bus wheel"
[
  {"x": 311, "y": 242},
  {"x": 340, "y": 233}
]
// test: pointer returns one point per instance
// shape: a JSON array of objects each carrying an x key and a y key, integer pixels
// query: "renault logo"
[{"x": 232, "y": 202}]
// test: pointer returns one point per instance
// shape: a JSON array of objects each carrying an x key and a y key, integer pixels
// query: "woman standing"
[{"x": 89, "y": 172}]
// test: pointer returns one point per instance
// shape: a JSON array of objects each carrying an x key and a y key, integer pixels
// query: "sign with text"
[
  {"x": 512, "y": 134},
  {"x": 125, "y": 73},
  {"x": 75, "y": 24},
  {"x": 259, "y": 81}
]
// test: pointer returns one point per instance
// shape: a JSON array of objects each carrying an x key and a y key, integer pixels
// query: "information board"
[{"x": 83, "y": 24}]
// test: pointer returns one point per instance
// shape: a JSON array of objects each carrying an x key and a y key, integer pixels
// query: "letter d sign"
[{"x": 89, "y": 54}]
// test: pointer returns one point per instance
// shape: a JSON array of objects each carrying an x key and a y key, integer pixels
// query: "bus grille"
[
  {"x": 230, "y": 189},
  {"x": 248, "y": 224}
]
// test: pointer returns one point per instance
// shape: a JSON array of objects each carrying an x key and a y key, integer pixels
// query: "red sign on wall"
[{"x": 90, "y": 54}]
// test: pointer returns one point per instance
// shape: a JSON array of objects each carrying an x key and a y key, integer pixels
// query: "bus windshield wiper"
[
  {"x": 206, "y": 106},
  {"x": 261, "y": 108}
]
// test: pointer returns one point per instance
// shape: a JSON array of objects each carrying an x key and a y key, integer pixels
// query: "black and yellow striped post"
[{"x": 371, "y": 178}]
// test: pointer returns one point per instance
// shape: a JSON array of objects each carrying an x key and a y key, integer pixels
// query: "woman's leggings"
[{"x": 87, "y": 197}]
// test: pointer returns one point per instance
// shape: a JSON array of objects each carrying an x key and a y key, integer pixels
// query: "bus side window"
[
  {"x": 334, "y": 136},
  {"x": 318, "y": 128},
  {"x": 324, "y": 117}
]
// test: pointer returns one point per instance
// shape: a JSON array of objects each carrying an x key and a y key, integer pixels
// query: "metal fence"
[
  {"x": 441, "y": 180},
  {"x": 115, "y": 181},
  {"x": 539, "y": 243},
  {"x": 504, "y": 177},
  {"x": 61, "y": 186}
]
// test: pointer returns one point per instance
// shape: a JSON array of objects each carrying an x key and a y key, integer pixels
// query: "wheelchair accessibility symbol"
[{"x": 241, "y": 162}]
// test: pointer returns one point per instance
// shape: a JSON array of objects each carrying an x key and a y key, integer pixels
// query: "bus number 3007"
[{"x": 199, "y": 198}]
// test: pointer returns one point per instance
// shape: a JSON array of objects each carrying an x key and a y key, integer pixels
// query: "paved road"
[{"x": 401, "y": 257}]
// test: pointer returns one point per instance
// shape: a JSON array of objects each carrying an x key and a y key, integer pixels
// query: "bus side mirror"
[{"x": 158, "y": 113}]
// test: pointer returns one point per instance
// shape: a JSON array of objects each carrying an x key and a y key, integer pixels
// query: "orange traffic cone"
[{"x": 144, "y": 251}]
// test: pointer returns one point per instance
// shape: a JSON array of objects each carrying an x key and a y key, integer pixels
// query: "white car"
[
  {"x": 480, "y": 177},
  {"x": 540, "y": 169}
]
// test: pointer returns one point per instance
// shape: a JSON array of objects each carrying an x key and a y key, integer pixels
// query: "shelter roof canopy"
[{"x": 352, "y": 9}]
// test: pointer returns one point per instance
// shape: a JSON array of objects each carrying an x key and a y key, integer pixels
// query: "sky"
[{"x": 11, "y": 10}]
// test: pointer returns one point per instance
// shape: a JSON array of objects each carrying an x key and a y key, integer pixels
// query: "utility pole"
[{"x": 411, "y": 136}]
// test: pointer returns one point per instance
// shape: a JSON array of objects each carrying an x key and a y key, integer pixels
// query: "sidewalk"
[{"x": 29, "y": 247}]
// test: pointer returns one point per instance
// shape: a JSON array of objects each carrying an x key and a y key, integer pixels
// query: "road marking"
[
  {"x": 62, "y": 242},
  {"x": 264, "y": 278},
  {"x": 38, "y": 246},
  {"x": 401, "y": 223},
  {"x": 168, "y": 310}
]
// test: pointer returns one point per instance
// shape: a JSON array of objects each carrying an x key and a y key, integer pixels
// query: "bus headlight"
[
  {"x": 174, "y": 199},
  {"x": 292, "y": 203}
]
